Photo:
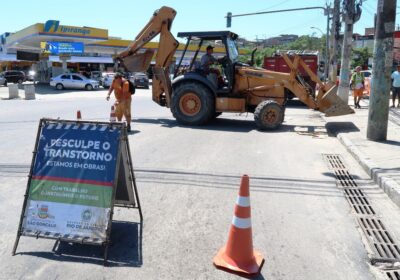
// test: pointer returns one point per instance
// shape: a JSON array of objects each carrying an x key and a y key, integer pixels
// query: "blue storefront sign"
[{"x": 62, "y": 47}]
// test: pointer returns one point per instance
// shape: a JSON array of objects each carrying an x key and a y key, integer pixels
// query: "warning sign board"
[{"x": 77, "y": 170}]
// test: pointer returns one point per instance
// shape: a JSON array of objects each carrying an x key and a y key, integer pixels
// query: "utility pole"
[
  {"x": 378, "y": 113},
  {"x": 335, "y": 33},
  {"x": 327, "y": 13},
  {"x": 348, "y": 10}
]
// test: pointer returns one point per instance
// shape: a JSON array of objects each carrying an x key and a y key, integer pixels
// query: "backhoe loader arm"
[
  {"x": 326, "y": 101},
  {"x": 133, "y": 61}
]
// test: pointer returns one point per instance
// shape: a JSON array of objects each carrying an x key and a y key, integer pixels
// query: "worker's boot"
[{"x": 128, "y": 128}]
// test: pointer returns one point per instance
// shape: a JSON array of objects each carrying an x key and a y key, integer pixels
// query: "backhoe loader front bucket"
[
  {"x": 139, "y": 62},
  {"x": 332, "y": 105}
]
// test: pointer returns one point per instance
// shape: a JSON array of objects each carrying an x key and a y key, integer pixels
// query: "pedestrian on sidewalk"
[
  {"x": 120, "y": 86},
  {"x": 357, "y": 83},
  {"x": 396, "y": 87}
]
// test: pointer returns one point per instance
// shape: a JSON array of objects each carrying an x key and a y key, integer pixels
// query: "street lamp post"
[{"x": 326, "y": 66}]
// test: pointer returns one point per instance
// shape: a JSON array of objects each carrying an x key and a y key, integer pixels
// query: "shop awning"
[
  {"x": 84, "y": 59},
  {"x": 73, "y": 59},
  {"x": 8, "y": 57}
]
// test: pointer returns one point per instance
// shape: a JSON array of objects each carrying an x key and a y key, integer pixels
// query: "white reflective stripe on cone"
[
  {"x": 243, "y": 201},
  {"x": 241, "y": 223}
]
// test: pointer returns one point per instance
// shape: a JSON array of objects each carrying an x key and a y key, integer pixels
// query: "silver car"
[
  {"x": 3, "y": 81},
  {"x": 73, "y": 81},
  {"x": 107, "y": 79}
]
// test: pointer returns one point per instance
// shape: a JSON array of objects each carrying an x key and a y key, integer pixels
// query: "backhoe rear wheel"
[
  {"x": 268, "y": 115},
  {"x": 192, "y": 104}
]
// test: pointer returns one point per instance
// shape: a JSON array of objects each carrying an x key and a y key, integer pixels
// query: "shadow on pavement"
[
  {"x": 390, "y": 142},
  {"x": 285, "y": 185},
  {"x": 231, "y": 125},
  {"x": 125, "y": 248},
  {"x": 334, "y": 128}
]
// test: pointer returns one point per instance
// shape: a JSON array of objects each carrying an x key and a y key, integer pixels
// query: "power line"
[
  {"x": 273, "y": 6},
  {"x": 292, "y": 27}
]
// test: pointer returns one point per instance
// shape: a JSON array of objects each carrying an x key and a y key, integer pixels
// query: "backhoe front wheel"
[
  {"x": 268, "y": 115},
  {"x": 192, "y": 104}
]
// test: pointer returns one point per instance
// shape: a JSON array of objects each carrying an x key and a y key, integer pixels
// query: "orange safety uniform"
[
  {"x": 358, "y": 92},
  {"x": 357, "y": 79},
  {"x": 124, "y": 99}
]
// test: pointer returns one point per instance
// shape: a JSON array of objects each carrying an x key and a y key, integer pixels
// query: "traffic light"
[{"x": 228, "y": 19}]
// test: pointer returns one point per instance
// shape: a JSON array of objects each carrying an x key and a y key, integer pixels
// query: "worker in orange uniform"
[
  {"x": 357, "y": 83},
  {"x": 120, "y": 86}
]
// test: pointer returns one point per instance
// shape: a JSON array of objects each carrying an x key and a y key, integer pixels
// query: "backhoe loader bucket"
[
  {"x": 139, "y": 62},
  {"x": 332, "y": 105}
]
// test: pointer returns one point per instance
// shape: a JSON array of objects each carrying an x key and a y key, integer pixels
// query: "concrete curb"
[{"x": 390, "y": 186}]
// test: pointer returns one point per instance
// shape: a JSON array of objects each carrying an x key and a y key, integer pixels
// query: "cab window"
[
  {"x": 76, "y": 78},
  {"x": 232, "y": 49},
  {"x": 65, "y": 77}
]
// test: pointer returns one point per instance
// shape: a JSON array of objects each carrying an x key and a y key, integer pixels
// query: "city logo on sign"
[
  {"x": 43, "y": 211},
  {"x": 54, "y": 26},
  {"x": 86, "y": 215}
]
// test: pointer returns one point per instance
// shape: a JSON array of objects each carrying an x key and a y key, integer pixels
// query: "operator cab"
[{"x": 225, "y": 50}]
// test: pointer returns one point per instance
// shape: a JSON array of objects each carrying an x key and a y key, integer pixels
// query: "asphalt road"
[{"x": 188, "y": 178}]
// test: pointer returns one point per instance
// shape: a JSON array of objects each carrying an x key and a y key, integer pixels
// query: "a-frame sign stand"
[{"x": 80, "y": 170}]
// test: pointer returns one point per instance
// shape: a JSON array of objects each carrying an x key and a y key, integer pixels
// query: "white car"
[
  {"x": 107, "y": 79},
  {"x": 73, "y": 81},
  {"x": 2, "y": 80}
]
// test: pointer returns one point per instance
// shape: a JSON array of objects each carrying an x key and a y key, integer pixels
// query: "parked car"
[
  {"x": 30, "y": 75},
  {"x": 14, "y": 76},
  {"x": 73, "y": 81},
  {"x": 107, "y": 79},
  {"x": 367, "y": 81},
  {"x": 140, "y": 80},
  {"x": 96, "y": 75},
  {"x": 3, "y": 81}
]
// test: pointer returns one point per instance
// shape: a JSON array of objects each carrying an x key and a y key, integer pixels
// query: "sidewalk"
[{"x": 381, "y": 160}]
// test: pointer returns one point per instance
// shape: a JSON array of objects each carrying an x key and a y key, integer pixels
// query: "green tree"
[
  {"x": 305, "y": 42},
  {"x": 360, "y": 57}
]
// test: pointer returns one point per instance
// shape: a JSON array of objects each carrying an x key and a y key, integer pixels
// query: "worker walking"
[
  {"x": 396, "y": 87},
  {"x": 122, "y": 93},
  {"x": 357, "y": 83}
]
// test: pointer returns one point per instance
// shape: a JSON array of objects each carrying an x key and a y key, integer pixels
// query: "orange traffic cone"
[
  {"x": 112, "y": 114},
  {"x": 78, "y": 115},
  {"x": 238, "y": 255}
]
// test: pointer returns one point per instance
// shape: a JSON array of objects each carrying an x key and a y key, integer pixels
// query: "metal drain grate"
[
  {"x": 335, "y": 162},
  {"x": 393, "y": 275},
  {"x": 358, "y": 201},
  {"x": 344, "y": 178},
  {"x": 385, "y": 250},
  {"x": 382, "y": 245}
]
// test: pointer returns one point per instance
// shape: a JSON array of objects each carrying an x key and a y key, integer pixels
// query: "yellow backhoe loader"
[{"x": 196, "y": 98}]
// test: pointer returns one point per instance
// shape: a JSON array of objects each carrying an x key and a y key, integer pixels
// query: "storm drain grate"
[
  {"x": 335, "y": 162},
  {"x": 358, "y": 201},
  {"x": 381, "y": 243},
  {"x": 385, "y": 249},
  {"x": 393, "y": 275}
]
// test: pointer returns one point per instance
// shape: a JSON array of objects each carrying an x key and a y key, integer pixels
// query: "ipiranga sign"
[{"x": 71, "y": 187}]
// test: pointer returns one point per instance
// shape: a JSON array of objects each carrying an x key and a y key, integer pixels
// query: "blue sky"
[{"x": 126, "y": 18}]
